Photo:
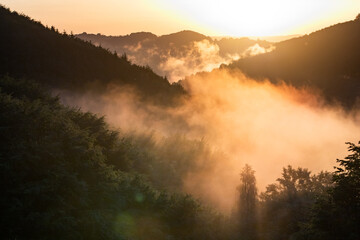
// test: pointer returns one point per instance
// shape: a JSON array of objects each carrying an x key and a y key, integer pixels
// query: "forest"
[{"x": 67, "y": 173}]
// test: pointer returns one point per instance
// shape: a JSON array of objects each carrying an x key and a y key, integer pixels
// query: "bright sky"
[{"x": 210, "y": 17}]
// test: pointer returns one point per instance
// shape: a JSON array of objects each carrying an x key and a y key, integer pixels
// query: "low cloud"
[
  {"x": 256, "y": 49},
  {"x": 176, "y": 62},
  {"x": 267, "y": 126}
]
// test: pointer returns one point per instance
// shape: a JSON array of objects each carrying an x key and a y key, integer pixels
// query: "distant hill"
[
  {"x": 328, "y": 60},
  {"x": 121, "y": 43},
  {"x": 111, "y": 42},
  {"x": 239, "y": 45},
  {"x": 29, "y": 49},
  {"x": 177, "y": 55},
  {"x": 275, "y": 39}
]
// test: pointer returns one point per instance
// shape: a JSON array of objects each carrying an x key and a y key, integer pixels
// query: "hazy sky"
[{"x": 210, "y": 17}]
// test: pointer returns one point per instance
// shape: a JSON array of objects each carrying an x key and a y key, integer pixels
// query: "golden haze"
[{"x": 210, "y": 17}]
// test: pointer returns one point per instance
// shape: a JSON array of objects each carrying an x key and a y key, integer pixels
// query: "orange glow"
[
  {"x": 242, "y": 121},
  {"x": 210, "y": 17},
  {"x": 264, "y": 17}
]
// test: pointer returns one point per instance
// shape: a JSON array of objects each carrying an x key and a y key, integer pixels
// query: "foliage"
[
  {"x": 286, "y": 205},
  {"x": 338, "y": 215},
  {"x": 247, "y": 202},
  {"x": 165, "y": 161},
  {"x": 57, "y": 180}
]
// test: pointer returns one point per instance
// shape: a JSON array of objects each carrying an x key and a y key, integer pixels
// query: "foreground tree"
[
  {"x": 286, "y": 205},
  {"x": 247, "y": 201},
  {"x": 337, "y": 216}
]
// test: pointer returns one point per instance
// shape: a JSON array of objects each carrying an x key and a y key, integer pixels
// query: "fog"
[
  {"x": 177, "y": 62},
  {"x": 180, "y": 54},
  {"x": 264, "y": 125}
]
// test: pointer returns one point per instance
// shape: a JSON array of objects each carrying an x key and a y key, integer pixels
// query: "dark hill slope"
[
  {"x": 328, "y": 59},
  {"x": 30, "y": 50}
]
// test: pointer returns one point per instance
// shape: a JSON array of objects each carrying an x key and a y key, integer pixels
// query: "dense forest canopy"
[{"x": 66, "y": 175}]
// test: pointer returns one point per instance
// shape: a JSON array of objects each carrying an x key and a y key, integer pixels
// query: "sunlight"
[{"x": 256, "y": 17}]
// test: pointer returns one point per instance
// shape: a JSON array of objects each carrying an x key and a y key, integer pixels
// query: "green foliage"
[
  {"x": 346, "y": 192},
  {"x": 247, "y": 203},
  {"x": 165, "y": 161},
  {"x": 338, "y": 215},
  {"x": 286, "y": 205},
  {"x": 57, "y": 180},
  {"x": 66, "y": 175}
]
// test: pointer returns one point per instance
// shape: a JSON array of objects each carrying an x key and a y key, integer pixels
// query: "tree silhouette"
[
  {"x": 285, "y": 205},
  {"x": 346, "y": 193},
  {"x": 246, "y": 211},
  {"x": 336, "y": 216}
]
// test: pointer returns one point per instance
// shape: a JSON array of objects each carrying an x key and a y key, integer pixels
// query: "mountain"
[
  {"x": 177, "y": 55},
  {"x": 119, "y": 43},
  {"x": 111, "y": 42},
  {"x": 61, "y": 61},
  {"x": 327, "y": 60},
  {"x": 279, "y": 38}
]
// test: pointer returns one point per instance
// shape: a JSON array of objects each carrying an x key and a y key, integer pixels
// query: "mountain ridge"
[
  {"x": 62, "y": 61},
  {"x": 179, "y": 54},
  {"x": 327, "y": 59}
]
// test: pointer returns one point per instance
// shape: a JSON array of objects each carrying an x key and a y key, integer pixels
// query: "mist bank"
[
  {"x": 179, "y": 54},
  {"x": 240, "y": 120}
]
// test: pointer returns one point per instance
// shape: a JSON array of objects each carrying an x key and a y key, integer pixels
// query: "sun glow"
[
  {"x": 262, "y": 17},
  {"x": 210, "y": 17}
]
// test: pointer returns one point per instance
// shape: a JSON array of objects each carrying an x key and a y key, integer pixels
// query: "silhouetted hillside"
[
  {"x": 28, "y": 49},
  {"x": 180, "y": 54},
  {"x": 118, "y": 43},
  {"x": 181, "y": 38},
  {"x": 328, "y": 59}
]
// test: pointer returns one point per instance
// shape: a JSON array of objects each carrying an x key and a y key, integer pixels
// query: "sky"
[{"x": 210, "y": 17}]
